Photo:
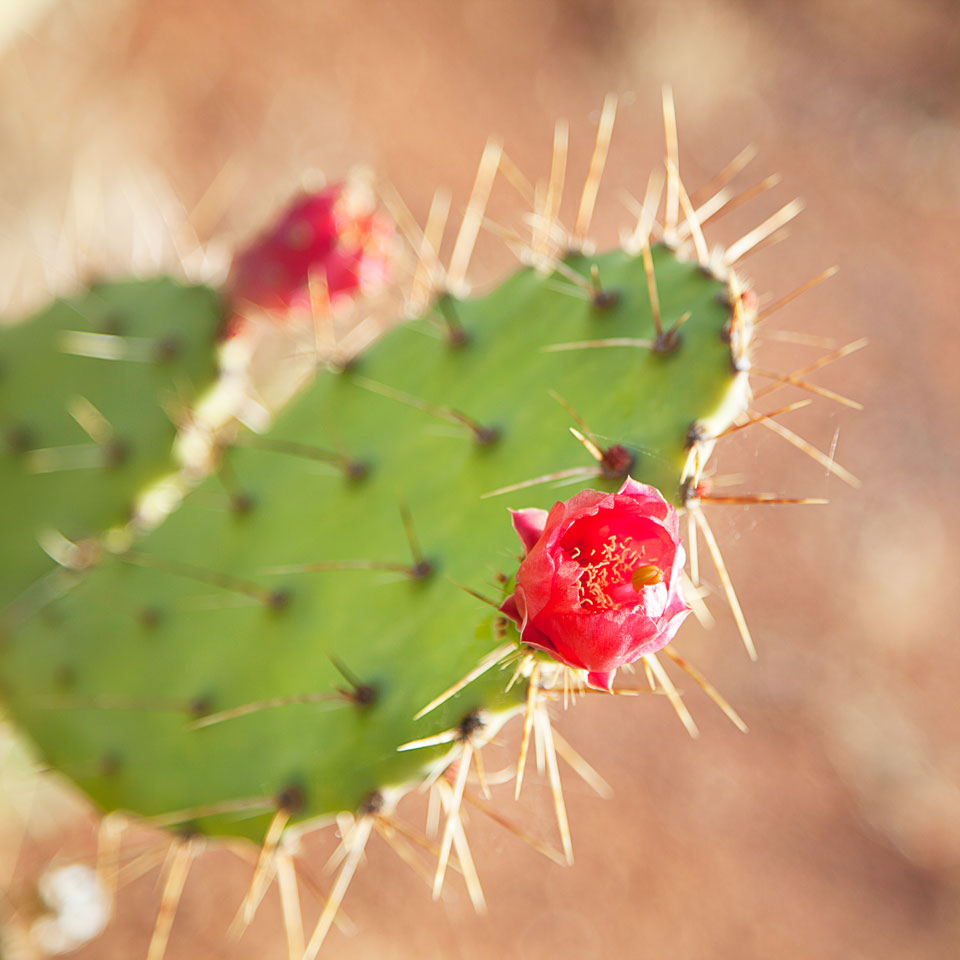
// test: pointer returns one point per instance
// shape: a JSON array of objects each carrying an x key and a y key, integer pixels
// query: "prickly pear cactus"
[
  {"x": 364, "y": 510},
  {"x": 315, "y": 629}
]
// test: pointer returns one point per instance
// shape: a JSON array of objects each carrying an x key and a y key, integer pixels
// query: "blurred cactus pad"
[
  {"x": 254, "y": 660},
  {"x": 88, "y": 393}
]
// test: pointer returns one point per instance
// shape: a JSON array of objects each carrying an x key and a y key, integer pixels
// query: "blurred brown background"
[{"x": 833, "y": 828}]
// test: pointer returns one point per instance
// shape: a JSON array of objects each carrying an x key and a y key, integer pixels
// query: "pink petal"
[
  {"x": 534, "y": 638},
  {"x": 602, "y": 680},
  {"x": 529, "y": 525},
  {"x": 633, "y": 488},
  {"x": 509, "y": 609}
]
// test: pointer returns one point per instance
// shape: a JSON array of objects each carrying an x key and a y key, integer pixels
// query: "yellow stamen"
[
  {"x": 612, "y": 564},
  {"x": 645, "y": 575}
]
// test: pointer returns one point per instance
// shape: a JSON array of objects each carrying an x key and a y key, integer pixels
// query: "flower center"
[{"x": 614, "y": 563}]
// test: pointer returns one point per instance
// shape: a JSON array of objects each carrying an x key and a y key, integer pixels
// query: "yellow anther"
[{"x": 645, "y": 575}]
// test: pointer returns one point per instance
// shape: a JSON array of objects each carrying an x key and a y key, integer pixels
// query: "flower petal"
[
  {"x": 535, "y": 638},
  {"x": 529, "y": 525},
  {"x": 648, "y": 499},
  {"x": 575, "y": 597},
  {"x": 635, "y": 488},
  {"x": 601, "y": 679},
  {"x": 509, "y": 608}
]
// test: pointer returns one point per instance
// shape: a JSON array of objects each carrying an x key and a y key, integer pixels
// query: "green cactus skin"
[
  {"x": 109, "y": 677},
  {"x": 53, "y": 475}
]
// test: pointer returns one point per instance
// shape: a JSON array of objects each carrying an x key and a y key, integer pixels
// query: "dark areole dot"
[
  {"x": 486, "y": 436},
  {"x": 200, "y": 706},
  {"x": 617, "y": 462},
  {"x": 110, "y": 764},
  {"x": 167, "y": 348},
  {"x": 470, "y": 724},
  {"x": 115, "y": 453},
  {"x": 724, "y": 298},
  {"x": 695, "y": 433},
  {"x": 364, "y": 694},
  {"x": 350, "y": 365},
  {"x": 114, "y": 324},
  {"x": 421, "y": 570},
  {"x": 605, "y": 299},
  {"x": 19, "y": 439},
  {"x": 357, "y": 470},
  {"x": 371, "y": 804},
  {"x": 667, "y": 342},
  {"x": 278, "y": 599},
  {"x": 149, "y": 617},
  {"x": 242, "y": 503},
  {"x": 457, "y": 337},
  {"x": 705, "y": 270},
  {"x": 291, "y": 798}
]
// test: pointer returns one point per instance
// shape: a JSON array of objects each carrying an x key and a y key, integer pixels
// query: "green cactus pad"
[
  {"x": 53, "y": 475},
  {"x": 212, "y": 612}
]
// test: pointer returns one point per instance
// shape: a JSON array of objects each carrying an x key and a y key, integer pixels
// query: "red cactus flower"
[
  {"x": 335, "y": 236},
  {"x": 599, "y": 586}
]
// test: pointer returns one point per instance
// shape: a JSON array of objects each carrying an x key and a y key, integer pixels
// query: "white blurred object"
[{"x": 79, "y": 909}]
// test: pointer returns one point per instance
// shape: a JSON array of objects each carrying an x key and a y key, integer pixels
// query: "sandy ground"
[{"x": 833, "y": 829}]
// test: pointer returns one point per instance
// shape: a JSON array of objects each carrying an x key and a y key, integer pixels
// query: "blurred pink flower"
[{"x": 334, "y": 238}]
